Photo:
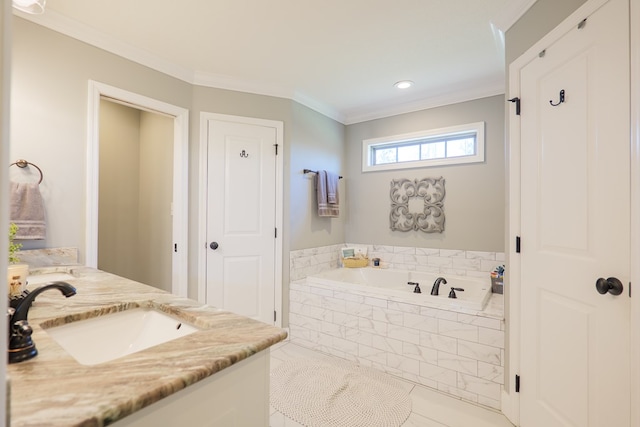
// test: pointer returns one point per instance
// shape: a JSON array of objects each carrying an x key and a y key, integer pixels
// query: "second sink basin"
[{"x": 111, "y": 336}]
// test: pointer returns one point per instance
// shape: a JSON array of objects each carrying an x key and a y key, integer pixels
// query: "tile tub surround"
[
  {"x": 305, "y": 262},
  {"x": 53, "y": 389},
  {"x": 459, "y": 353}
]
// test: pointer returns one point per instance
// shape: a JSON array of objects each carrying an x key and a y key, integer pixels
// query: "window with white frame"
[{"x": 437, "y": 147}]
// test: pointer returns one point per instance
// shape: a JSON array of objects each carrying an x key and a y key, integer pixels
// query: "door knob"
[
  {"x": 611, "y": 285},
  {"x": 214, "y": 245}
]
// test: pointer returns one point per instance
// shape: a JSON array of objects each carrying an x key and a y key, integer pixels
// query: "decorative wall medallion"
[{"x": 417, "y": 205}]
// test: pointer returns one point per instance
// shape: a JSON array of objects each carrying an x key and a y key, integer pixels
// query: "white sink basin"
[{"x": 111, "y": 336}]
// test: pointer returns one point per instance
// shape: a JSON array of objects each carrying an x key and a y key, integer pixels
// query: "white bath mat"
[{"x": 341, "y": 394}]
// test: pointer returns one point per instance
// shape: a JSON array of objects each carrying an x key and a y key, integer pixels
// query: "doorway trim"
[
  {"x": 202, "y": 198},
  {"x": 180, "y": 116},
  {"x": 634, "y": 28},
  {"x": 510, "y": 399}
]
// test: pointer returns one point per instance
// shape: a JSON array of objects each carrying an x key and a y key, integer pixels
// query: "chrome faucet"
[
  {"x": 21, "y": 346},
  {"x": 436, "y": 285}
]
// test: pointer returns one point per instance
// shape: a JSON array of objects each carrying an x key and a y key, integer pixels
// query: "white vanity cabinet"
[{"x": 237, "y": 396}]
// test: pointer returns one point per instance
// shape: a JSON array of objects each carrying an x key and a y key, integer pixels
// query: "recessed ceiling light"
[{"x": 404, "y": 84}]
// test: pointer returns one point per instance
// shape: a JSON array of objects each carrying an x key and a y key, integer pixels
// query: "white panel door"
[
  {"x": 575, "y": 226},
  {"x": 241, "y": 218}
]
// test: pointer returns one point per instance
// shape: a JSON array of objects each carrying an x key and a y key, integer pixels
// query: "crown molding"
[
  {"x": 79, "y": 31},
  {"x": 220, "y": 81},
  {"x": 320, "y": 107},
  {"x": 476, "y": 91},
  {"x": 511, "y": 13},
  {"x": 243, "y": 85}
]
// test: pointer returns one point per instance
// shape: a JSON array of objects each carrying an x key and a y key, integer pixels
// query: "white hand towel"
[{"x": 26, "y": 210}]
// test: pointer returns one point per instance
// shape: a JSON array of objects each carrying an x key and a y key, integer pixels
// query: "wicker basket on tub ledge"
[{"x": 355, "y": 262}]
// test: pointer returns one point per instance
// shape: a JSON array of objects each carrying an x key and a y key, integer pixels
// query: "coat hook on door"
[
  {"x": 559, "y": 102},
  {"x": 244, "y": 154}
]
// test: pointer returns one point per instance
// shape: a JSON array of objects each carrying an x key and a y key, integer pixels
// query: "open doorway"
[
  {"x": 135, "y": 194},
  {"x": 137, "y": 187}
]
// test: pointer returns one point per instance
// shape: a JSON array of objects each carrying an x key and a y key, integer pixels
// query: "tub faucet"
[
  {"x": 436, "y": 285},
  {"x": 21, "y": 346}
]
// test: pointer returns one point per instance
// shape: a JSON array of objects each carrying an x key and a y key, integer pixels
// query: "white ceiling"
[{"x": 340, "y": 57}]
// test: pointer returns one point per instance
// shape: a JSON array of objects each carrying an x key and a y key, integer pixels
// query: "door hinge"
[
  {"x": 276, "y": 145},
  {"x": 517, "y": 244},
  {"x": 275, "y": 315},
  {"x": 582, "y": 24},
  {"x": 175, "y": 247},
  {"x": 517, "y": 383},
  {"x": 276, "y": 234},
  {"x": 517, "y": 101},
  {"x": 629, "y": 289}
]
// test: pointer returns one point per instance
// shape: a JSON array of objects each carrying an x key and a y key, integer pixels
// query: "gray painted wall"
[
  {"x": 50, "y": 88},
  {"x": 474, "y": 201},
  {"x": 50, "y": 74},
  {"x": 318, "y": 143}
]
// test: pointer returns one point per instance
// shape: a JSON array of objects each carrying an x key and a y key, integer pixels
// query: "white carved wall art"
[{"x": 417, "y": 205}]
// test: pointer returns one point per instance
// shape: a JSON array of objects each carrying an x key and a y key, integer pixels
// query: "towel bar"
[
  {"x": 21, "y": 163},
  {"x": 310, "y": 171}
]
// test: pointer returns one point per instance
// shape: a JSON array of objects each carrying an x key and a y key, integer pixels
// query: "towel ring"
[{"x": 21, "y": 163}]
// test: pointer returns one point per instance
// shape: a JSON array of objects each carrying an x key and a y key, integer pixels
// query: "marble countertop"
[{"x": 53, "y": 389}]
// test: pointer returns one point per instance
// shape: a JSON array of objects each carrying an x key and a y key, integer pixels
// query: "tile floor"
[{"x": 430, "y": 408}]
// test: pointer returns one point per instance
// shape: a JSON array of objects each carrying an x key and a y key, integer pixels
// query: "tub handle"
[
  {"x": 452, "y": 293},
  {"x": 417, "y": 289}
]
